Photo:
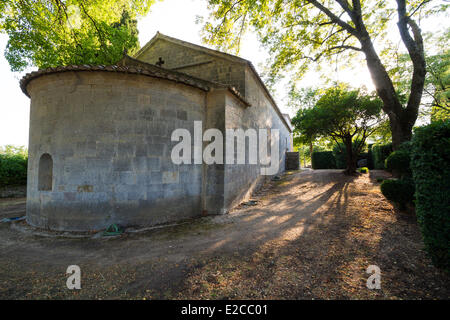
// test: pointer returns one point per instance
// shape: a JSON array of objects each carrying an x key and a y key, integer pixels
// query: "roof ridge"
[
  {"x": 150, "y": 66},
  {"x": 232, "y": 89},
  {"x": 203, "y": 47}
]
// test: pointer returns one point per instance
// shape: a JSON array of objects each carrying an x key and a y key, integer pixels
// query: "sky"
[{"x": 175, "y": 18}]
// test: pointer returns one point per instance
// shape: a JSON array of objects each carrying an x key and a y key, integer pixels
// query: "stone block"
[{"x": 170, "y": 177}]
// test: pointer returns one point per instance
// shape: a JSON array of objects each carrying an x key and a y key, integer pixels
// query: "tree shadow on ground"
[{"x": 311, "y": 235}]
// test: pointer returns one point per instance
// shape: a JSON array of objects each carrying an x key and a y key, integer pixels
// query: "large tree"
[
  {"x": 298, "y": 31},
  {"x": 436, "y": 99},
  {"x": 49, "y": 33},
  {"x": 346, "y": 116}
]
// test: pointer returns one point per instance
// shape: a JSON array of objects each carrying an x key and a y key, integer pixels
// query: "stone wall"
[
  {"x": 108, "y": 135},
  {"x": 214, "y": 174},
  {"x": 196, "y": 63},
  {"x": 109, "y": 139},
  {"x": 242, "y": 180}
]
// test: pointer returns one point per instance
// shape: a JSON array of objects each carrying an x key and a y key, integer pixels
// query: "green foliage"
[
  {"x": 436, "y": 94},
  {"x": 342, "y": 115},
  {"x": 370, "y": 164},
  {"x": 399, "y": 191},
  {"x": 302, "y": 98},
  {"x": 51, "y": 33},
  {"x": 363, "y": 170},
  {"x": 13, "y": 166},
  {"x": 382, "y": 134},
  {"x": 430, "y": 164},
  {"x": 398, "y": 163},
  {"x": 302, "y": 34},
  {"x": 438, "y": 83},
  {"x": 340, "y": 153},
  {"x": 380, "y": 153},
  {"x": 323, "y": 160},
  {"x": 298, "y": 32}
]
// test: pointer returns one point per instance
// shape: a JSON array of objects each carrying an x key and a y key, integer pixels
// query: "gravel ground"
[{"x": 310, "y": 235}]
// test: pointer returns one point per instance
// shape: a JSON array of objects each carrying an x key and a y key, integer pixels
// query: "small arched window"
[{"x": 45, "y": 177}]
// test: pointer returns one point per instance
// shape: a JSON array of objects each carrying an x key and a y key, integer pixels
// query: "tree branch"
[
  {"x": 418, "y": 7},
  {"x": 345, "y": 47},
  {"x": 416, "y": 53},
  {"x": 333, "y": 17},
  {"x": 102, "y": 40}
]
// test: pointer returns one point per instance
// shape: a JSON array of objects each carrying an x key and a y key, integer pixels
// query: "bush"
[
  {"x": 380, "y": 153},
  {"x": 13, "y": 169},
  {"x": 399, "y": 191},
  {"x": 340, "y": 155},
  {"x": 323, "y": 160},
  {"x": 370, "y": 157},
  {"x": 363, "y": 170},
  {"x": 430, "y": 165},
  {"x": 398, "y": 163}
]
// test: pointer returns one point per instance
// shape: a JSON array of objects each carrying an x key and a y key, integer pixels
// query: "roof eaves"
[{"x": 161, "y": 74}]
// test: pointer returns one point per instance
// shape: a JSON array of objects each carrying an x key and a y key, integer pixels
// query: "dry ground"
[{"x": 311, "y": 235}]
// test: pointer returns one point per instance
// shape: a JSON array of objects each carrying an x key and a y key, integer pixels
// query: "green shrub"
[
  {"x": 13, "y": 169},
  {"x": 323, "y": 160},
  {"x": 430, "y": 165},
  {"x": 380, "y": 153},
  {"x": 370, "y": 157},
  {"x": 399, "y": 191},
  {"x": 398, "y": 163},
  {"x": 363, "y": 170},
  {"x": 340, "y": 154}
]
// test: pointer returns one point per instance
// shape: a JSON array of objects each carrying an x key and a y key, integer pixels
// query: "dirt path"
[{"x": 311, "y": 235}]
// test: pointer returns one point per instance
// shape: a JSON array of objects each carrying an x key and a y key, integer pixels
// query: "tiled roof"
[
  {"x": 132, "y": 66},
  {"x": 113, "y": 68}
]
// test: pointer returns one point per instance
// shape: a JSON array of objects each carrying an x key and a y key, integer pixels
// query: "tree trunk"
[
  {"x": 411, "y": 36},
  {"x": 401, "y": 131},
  {"x": 401, "y": 118},
  {"x": 350, "y": 156}
]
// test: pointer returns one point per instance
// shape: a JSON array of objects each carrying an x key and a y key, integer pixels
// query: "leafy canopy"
[
  {"x": 339, "y": 114},
  {"x": 49, "y": 33},
  {"x": 297, "y": 32},
  {"x": 347, "y": 116},
  {"x": 437, "y": 81}
]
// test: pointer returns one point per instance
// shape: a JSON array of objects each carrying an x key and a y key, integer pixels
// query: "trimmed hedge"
[
  {"x": 380, "y": 153},
  {"x": 399, "y": 191},
  {"x": 398, "y": 163},
  {"x": 13, "y": 169},
  {"x": 340, "y": 158},
  {"x": 340, "y": 155},
  {"x": 323, "y": 160},
  {"x": 370, "y": 157},
  {"x": 430, "y": 164}
]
